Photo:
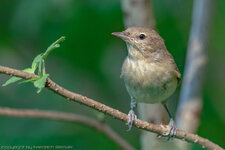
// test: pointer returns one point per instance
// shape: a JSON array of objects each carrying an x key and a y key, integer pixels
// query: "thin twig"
[
  {"x": 70, "y": 117},
  {"x": 159, "y": 129}
]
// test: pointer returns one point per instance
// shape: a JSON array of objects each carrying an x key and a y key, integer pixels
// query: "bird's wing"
[
  {"x": 178, "y": 75},
  {"x": 176, "y": 70}
]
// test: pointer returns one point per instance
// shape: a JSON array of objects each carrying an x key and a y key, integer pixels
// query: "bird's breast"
[{"x": 148, "y": 82}]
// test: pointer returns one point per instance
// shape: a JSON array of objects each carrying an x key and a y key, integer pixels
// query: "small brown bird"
[{"x": 149, "y": 71}]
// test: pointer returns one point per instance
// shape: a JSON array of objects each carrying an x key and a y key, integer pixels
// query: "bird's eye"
[{"x": 141, "y": 36}]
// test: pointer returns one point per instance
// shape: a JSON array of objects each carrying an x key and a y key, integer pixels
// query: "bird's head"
[{"x": 141, "y": 40}]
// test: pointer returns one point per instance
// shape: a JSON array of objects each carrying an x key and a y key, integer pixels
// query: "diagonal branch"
[
  {"x": 159, "y": 129},
  {"x": 70, "y": 117}
]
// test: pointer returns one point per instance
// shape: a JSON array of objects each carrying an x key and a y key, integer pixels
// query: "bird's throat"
[{"x": 134, "y": 52}]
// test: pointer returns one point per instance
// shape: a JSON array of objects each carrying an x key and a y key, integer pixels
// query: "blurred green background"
[{"x": 89, "y": 63}]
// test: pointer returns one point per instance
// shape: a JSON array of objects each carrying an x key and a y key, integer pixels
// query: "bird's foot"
[
  {"x": 172, "y": 129},
  {"x": 132, "y": 119}
]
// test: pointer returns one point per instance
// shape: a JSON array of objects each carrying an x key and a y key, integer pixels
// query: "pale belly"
[{"x": 148, "y": 84}]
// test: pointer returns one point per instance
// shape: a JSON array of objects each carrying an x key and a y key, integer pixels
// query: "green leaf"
[
  {"x": 15, "y": 79},
  {"x": 43, "y": 68},
  {"x": 28, "y": 80},
  {"x": 40, "y": 68},
  {"x": 40, "y": 83},
  {"x": 53, "y": 46},
  {"x": 36, "y": 62},
  {"x": 11, "y": 80},
  {"x": 28, "y": 70}
]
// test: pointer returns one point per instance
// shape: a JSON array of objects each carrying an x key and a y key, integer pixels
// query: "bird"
[{"x": 149, "y": 71}]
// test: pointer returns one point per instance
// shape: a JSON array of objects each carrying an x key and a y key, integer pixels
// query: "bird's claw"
[
  {"x": 172, "y": 129},
  {"x": 132, "y": 119}
]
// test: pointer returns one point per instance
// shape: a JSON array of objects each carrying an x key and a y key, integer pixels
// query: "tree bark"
[{"x": 190, "y": 104}]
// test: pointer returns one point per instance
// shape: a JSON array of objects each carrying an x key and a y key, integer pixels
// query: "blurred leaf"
[
  {"x": 11, "y": 80},
  {"x": 40, "y": 83},
  {"x": 28, "y": 70},
  {"x": 100, "y": 116}
]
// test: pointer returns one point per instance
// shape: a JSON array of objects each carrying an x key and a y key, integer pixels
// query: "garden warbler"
[{"x": 149, "y": 71}]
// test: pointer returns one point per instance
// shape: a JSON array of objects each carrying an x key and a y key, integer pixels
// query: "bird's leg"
[
  {"x": 172, "y": 131},
  {"x": 132, "y": 117}
]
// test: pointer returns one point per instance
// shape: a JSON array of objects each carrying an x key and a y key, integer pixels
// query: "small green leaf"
[
  {"x": 28, "y": 70},
  {"x": 28, "y": 80},
  {"x": 36, "y": 62},
  {"x": 43, "y": 68},
  {"x": 100, "y": 116},
  {"x": 40, "y": 68},
  {"x": 11, "y": 80},
  {"x": 15, "y": 79},
  {"x": 40, "y": 83},
  {"x": 53, "y": 46}
]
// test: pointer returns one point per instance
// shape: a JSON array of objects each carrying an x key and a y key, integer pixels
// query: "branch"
[
  {"x": 159, "y": 129},
  {"x": 54, "y": 115},
  {"x": 190, "y": 103},
  {"x": 138, "y": 13}
]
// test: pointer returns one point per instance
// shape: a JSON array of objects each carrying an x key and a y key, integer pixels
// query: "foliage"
[{"x": 38, "y": 64}]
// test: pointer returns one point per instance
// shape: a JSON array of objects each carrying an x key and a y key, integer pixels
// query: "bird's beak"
[{"x": 122, "y": 35}]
